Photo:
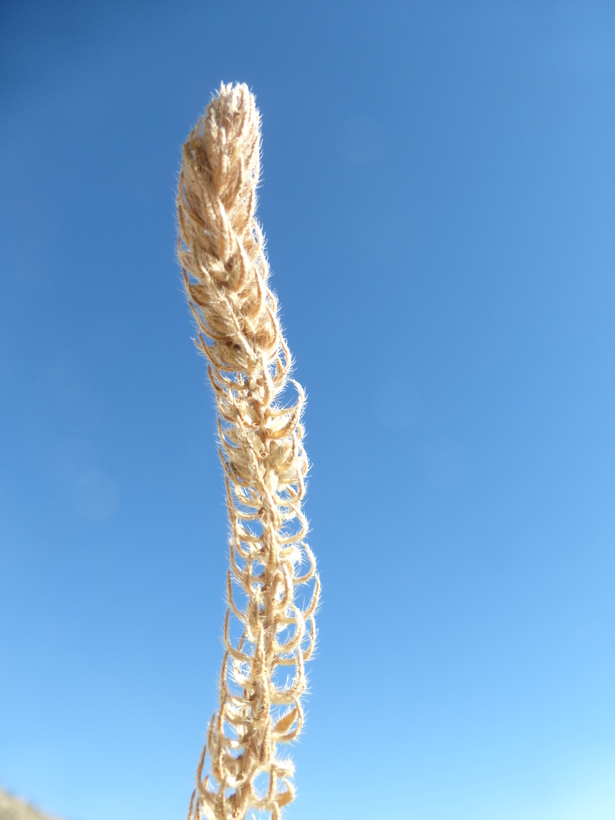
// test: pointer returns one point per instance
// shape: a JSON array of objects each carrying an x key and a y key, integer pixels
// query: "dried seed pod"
[{"x": 269, "y": 628}]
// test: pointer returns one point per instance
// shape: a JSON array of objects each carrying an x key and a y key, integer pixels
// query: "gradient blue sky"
[{"x": 439, "y": 201}]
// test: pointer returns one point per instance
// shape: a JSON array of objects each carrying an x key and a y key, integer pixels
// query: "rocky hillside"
[{"x": 11, "y": 808}]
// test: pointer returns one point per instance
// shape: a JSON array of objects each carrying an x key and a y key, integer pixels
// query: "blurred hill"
[{"x": 11, "y": 808}]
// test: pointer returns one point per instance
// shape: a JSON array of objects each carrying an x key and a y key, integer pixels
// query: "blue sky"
[{"x": 439, "y": 202}]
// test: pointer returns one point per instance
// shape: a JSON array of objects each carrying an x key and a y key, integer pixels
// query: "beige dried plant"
[{"x": 272, "y": 585}]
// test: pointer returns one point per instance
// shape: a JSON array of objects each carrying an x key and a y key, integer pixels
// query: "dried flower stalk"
[{"x": 269, "y": 628}]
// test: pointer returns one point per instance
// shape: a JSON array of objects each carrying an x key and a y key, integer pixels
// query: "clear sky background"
[{"x": 439, "y": 201}]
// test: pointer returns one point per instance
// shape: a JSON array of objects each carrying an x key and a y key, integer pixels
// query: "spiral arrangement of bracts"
[{"x": 269, "y": 629}]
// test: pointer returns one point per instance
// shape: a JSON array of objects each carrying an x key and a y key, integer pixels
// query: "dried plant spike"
[{"x": 272, "y": 585}]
